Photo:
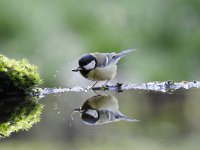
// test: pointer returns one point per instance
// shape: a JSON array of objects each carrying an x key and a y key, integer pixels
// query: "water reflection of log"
[{"x": 18, "y": 113}]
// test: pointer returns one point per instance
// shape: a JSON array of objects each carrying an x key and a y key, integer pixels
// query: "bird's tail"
[
  {"x": 126, "y": 118},
  {"x": 124, "y": 53}
]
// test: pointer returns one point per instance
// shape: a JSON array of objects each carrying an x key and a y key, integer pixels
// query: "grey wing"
[
  {"x": 109, "y": 58},
  {"x": 102, "y": 59},
  {"x": 105, "y": 59}
]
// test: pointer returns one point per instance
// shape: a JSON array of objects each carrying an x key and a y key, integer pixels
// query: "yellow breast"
[{"x": 102, "y": 74}]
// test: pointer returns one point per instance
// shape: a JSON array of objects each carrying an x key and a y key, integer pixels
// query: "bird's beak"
[
  {"x": 78, "y": 110},
  {"x": 76, "y": 70}
]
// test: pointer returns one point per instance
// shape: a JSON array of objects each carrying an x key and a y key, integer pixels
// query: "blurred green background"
[{"x": 54, "y": 34}]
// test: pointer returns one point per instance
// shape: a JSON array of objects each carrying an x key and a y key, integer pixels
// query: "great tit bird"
[
  {"x": 100, "y": 110},
  {"x": 100, "y": 66}
]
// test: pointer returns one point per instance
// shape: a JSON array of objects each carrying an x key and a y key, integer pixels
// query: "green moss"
[
  {"x": 18, "y": 114},
  {"x": 17, "y": 76}
]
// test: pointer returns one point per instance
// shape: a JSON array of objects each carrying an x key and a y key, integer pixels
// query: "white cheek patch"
[
  {"x": 92, "y": 113},
  {"x": 106, "y": 61},
  {"x": 90, "y": 66}
]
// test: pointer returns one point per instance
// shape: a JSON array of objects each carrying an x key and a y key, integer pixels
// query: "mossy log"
[{"x": 17, "y": 76}]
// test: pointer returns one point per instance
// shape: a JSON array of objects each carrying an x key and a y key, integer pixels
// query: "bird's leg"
[
  {"x": 94, "y": 84},
  {"x": 96, "y": 92},
  {"x": 105, "y": 84},
  {"x": 106, "y": 93},
  {"x": 93, "y": 88}
]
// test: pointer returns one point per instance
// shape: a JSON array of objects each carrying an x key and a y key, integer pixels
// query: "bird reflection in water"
[{"x": 101, "y": 109}]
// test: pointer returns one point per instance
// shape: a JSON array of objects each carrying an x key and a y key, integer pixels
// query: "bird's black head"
[
  {"x": 87, "y": 62},
  {"x": 88, "y": 115}
]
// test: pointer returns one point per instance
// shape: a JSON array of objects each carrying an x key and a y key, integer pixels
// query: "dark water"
[{"x": 166, "y": 121}]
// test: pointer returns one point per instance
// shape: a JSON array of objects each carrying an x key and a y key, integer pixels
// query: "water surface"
[{"x": 166, "y": 121}]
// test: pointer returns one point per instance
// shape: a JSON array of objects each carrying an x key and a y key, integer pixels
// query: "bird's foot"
[
  {"x": 104, "y": 87},
  {"x": 119, "y": 85}
]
